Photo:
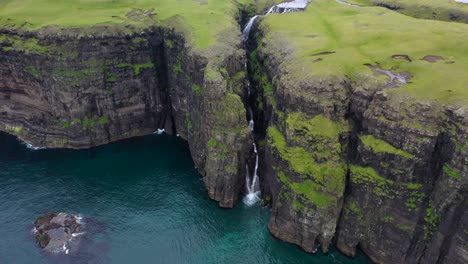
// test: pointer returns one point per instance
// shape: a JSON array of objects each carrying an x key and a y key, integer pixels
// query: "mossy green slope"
[
  {"x": 345, "y": 38},
  {"x": 205, "y": 19},
  {"x": 312, "y": 150},
  {"x": 381, "y": 146}
]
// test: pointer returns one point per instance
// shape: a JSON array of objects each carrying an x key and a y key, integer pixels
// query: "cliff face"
[
  {"x": 344, "y": 158},
  {"x": 66, "y": 89},
  {"x": 348, "y": 162},
  {"x": 405, "y": 204},
  {"x": 81, "y": 93}
]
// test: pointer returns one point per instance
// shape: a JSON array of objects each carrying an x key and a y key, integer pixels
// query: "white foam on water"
[
  {"x": 78, "y": 234},
  {"x": 79, "y": 219},
  {"x": 252, "y": 198},
  {"x": 160, "y": 131},
  {"x": 31, "y": 146}
]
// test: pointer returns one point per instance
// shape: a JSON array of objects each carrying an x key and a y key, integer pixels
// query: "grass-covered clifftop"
[
  {"x": 202, "y": 20},
  {"x": 447, "y": 10},
  {"x": 332, "y": 39}
]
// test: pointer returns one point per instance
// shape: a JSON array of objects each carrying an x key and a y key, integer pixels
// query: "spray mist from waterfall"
[{"x": 252, "y": 185}]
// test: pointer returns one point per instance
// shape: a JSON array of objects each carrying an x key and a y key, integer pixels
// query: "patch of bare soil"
[
  {"x": 432, "y": 58},
  {"x": 322, "y": 53},
  {"x": 401, "y": 57}
]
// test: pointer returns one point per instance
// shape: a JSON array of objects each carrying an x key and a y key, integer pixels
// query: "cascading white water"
[
  {"x": 248, "y": 27},
  {"x": 286, "y": 7},
  {"x": 253, "y": 185},
  {"x": 251, "y": 121},
  {"x": 253, "y": 188}
]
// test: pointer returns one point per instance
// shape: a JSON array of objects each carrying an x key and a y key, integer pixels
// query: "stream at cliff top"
[{"x": 147, "y": 199}]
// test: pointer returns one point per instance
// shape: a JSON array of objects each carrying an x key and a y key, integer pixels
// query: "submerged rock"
[{"x": 58, "y": 232}]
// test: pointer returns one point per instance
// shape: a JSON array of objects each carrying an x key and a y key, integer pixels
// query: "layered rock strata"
[
  {"x": 66, "y": 88},
  {"x": 347, "y": 162}
]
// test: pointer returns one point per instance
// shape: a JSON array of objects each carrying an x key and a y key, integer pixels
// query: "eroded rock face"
[
  {"x": 72, "y": 90},
  {"x": 58, "y": 232},
  {"x": 346, "y": 163}
]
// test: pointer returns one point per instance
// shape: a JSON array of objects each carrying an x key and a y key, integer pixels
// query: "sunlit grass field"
[
  {"x": 429, "y": 9},
  {"x": 204, "y": 18},
  {"x": 371, "y": 35}
]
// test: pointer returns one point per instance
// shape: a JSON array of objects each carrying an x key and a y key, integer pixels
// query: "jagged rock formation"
[{"x": 58, "y": 232}]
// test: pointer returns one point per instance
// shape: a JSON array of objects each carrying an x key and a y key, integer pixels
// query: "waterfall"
[
  {"x": 286, "y": 7},
  {"x": 251, "y": 121},
  {"x": 253, "y": 183},
  {"x": 248, "y": 27}
]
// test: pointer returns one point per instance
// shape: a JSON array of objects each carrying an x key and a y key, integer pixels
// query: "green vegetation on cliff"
[
  {"x": 29, "y": 46},
  {"x": 331, "y": 39},
  {"x": 137, "y": 68},
  {"x": 381, "y": 146},
  {"x": 369, "y": 179},
  {"x": 319, "y": 126},
  {"x": 321, "y": 180},
  {"x": 451, "y": 172},
  {"x": 16, "y": 130},
  {"x": 319, "y": 134},
  {"x": 306, "y": 193},
  {"x": 431, "y": 219}
]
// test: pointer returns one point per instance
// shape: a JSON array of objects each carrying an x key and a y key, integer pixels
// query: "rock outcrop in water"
[{"x": 58, "y": 232}]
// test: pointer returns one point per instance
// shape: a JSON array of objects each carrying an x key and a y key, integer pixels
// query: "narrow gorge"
[{"x": 354, "y": 140}]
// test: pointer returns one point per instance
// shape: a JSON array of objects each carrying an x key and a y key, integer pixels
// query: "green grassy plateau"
[
  {"x": 354, "y": 36},
  {"x": 205, "y": 19},
  {"x": 448, "y": 10}
]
